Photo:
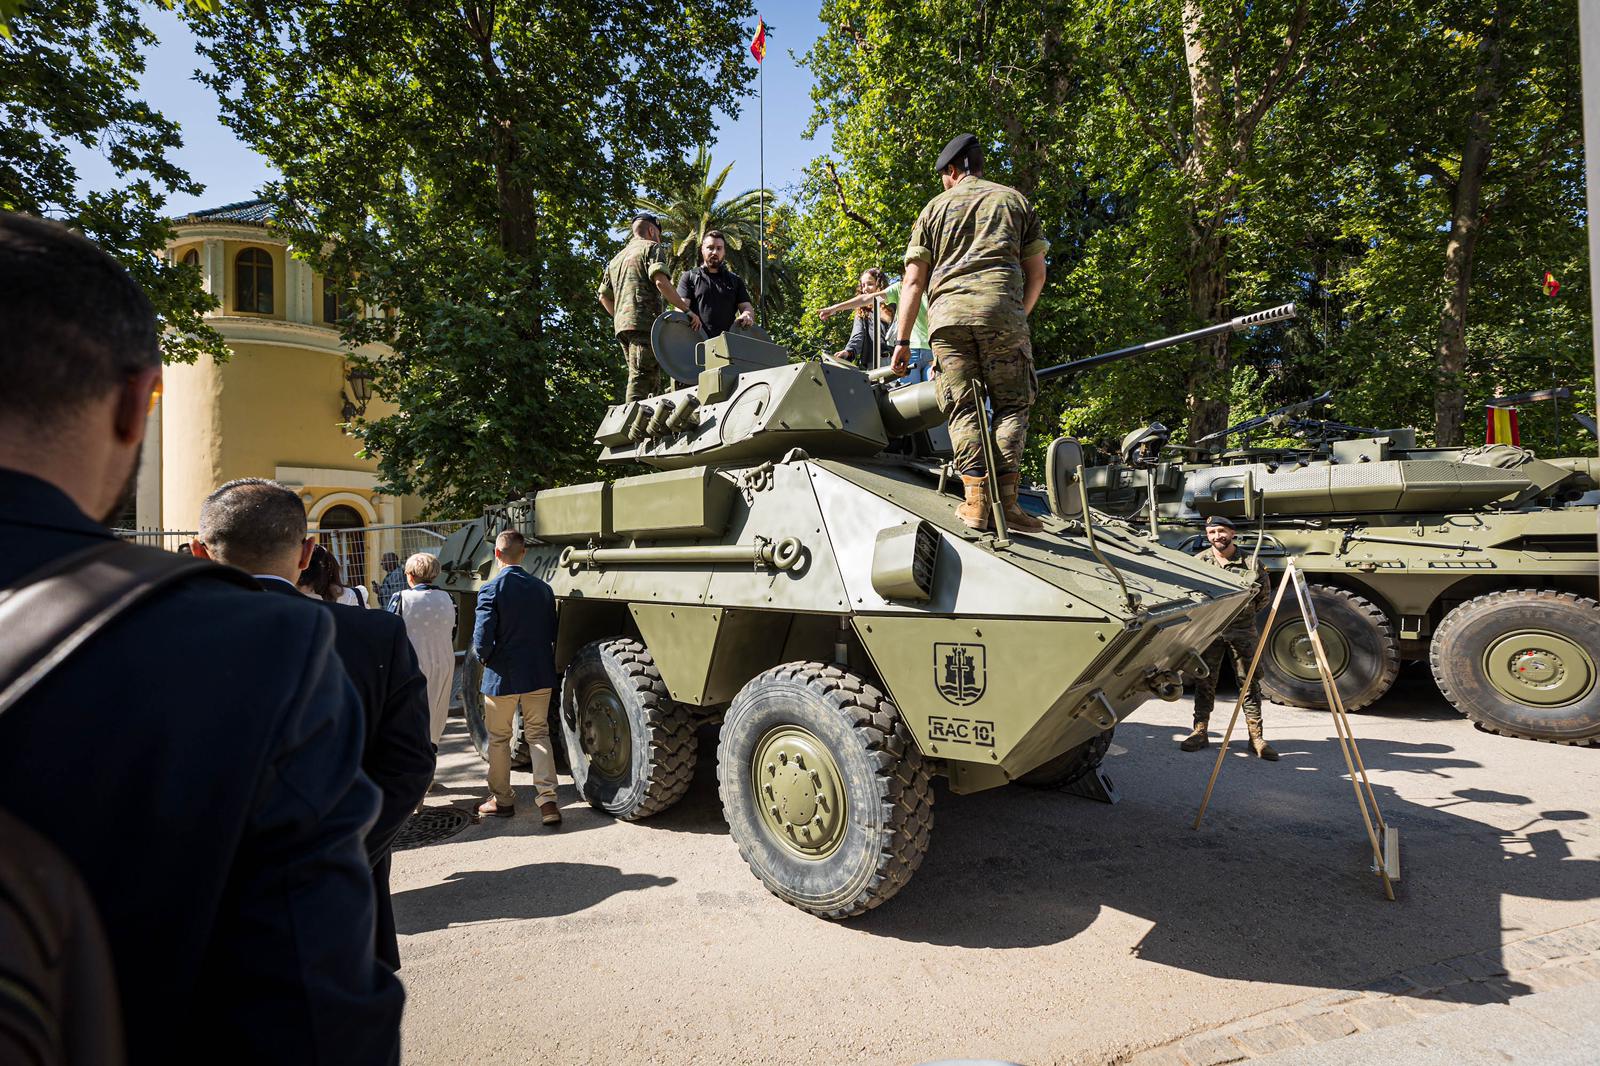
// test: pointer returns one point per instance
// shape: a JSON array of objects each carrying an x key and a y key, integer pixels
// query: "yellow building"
[{"x": 273, "y": 410}]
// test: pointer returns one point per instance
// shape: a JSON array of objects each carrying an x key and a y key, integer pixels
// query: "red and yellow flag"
[
  {"x": 1501, "y": 426},
  {"x": 1551, "y": 285},
  {"x": 758, "y": 47}
]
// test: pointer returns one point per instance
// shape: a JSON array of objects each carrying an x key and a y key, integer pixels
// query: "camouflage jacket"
[
  {"x": 974, "y": 237},
  {"x": 1239, "y": 566},
  {"x": 630, "y": 281}
]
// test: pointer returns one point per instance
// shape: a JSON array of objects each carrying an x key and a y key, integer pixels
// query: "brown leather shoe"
[
  {"x": 549, "y": 813},
  {"x": 975, "y": 510},
  {"x": 1016, "y": 517},
  {"x": 490, "y": 808}
]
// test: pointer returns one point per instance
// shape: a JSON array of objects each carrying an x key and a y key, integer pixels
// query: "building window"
[
  {"x": 191, "y": 258},
  {"x": 330, "y": 305},
  {"x": 253, "y": 282}
]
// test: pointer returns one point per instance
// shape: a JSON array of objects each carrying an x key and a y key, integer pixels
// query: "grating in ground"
[{"x": 431, "y": 826}]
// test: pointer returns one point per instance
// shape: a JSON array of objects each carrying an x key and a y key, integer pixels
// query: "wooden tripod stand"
[{"x": 1385, "y": 839}]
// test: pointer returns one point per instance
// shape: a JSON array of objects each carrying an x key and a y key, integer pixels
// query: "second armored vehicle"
[{"x": 1481, "y": 562}]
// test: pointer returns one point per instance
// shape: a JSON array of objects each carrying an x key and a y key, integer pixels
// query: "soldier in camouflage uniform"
[
  {"x": 978, "y": 251},
  {"x": 635, "y": 282},
  {"x": 1238, "y": 640}
]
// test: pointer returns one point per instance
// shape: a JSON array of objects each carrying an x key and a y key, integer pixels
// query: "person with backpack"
[{"x": 186, "y": 744}]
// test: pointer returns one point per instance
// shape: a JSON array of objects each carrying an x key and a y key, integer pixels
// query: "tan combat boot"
[
  {"x": 1196, "y": 739},
  {"x": 1016, "y": 517},
  {"x": 1259, "y": 745},
  {"x": 975, "y": 511}
]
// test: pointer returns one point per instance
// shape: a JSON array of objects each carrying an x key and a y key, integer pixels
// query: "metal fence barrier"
[{"x": 360, "y": 550}]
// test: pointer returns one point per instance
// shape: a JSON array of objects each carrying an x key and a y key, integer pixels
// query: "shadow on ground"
[
  {"x": 538, "y": 890},
  {"x": 1275, "y": 886}
]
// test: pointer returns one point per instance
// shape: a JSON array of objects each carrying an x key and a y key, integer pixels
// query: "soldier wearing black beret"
[
  {"x": 977, "y": 250},
  {"x": 1239, "y": 640}
]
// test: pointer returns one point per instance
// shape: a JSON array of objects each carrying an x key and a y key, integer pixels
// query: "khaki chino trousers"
[{"x": 500, "y": 713}]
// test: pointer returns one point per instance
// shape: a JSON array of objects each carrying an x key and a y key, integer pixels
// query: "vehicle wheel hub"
[
  {"x": 1292, "y": 650},
  {"x": 800, "y": 792},
  {"x": 603, "y": 732},
  {"x": 1539, "y": 668}
]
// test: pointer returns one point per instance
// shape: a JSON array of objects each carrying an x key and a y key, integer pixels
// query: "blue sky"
[{"x": 232, "y": 172}]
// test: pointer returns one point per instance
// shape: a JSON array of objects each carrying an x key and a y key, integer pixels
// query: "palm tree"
[{"x": 691, "y": 207}]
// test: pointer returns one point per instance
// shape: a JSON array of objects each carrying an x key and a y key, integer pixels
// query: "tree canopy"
[
  {"x": 466, "y": 170},
  {"x": 1406, "y": 172},
  {"x": 67, "y": 75}
]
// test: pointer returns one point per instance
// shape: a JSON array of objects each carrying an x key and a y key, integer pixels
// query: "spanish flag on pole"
[
  {"x": 1501, "y": 426},
  {"x": 758, "y": 47}
]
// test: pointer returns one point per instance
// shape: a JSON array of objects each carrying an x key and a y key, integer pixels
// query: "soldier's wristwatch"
[{"x": 902, "y": 343}]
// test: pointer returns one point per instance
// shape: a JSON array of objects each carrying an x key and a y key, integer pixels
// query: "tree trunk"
[
  {"x": 1466, "y": 226},
  {"x": 1210, "y": 372},
  {"x": 1212, "y": 366}
]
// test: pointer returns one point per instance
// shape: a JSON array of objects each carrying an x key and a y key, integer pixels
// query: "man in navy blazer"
[
  {"x": 514, "y": 637},
  {"x": 198, "y": 759},
  {"x": 259, "y": 526}
]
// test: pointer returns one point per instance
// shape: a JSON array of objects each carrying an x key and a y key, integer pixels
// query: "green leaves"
[
  {"x": 1336, "y": 195},
  {"x": 465, "y": 168},
  {"x": 67, "y": 71}
]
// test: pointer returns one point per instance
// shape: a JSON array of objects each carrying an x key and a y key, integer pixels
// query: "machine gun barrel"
[{"x": 1258, "y": 318}]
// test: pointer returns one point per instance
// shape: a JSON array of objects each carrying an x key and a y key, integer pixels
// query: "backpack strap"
[{"x": 50, "y": 613}]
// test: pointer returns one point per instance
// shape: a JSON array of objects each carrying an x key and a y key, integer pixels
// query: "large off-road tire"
[
  {"x": 1068, "y": 767},
  {"x": 473, "y": 711},
  {"x": 1357, "y": 637},
  {"x": 1523, "y": 663},
  {"x": 824, "y": 791},
  {"x": 632, "y": 747}
]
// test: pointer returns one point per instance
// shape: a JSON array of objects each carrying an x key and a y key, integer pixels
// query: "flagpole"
[{"x": 761, "y": 124}]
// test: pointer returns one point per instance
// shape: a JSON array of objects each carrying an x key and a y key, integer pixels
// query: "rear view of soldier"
[
  {"x": 978, "y": 250},
  {"x": 635, "y": 282}
]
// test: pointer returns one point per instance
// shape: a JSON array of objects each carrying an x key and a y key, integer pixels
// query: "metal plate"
[
  {"x": 433, "y": 825},
  {"x": 674, "y": 342}
]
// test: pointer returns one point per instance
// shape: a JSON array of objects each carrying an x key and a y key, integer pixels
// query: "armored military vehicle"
[
  {"x": 1480, "y": 561},
  {"x": 782, "y": 571}
]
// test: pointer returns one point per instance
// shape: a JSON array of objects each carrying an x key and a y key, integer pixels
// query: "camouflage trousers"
[
  {"x": 1002, "y": 359},
  {"x": 1241, "y": 645},
  {"x": 644, "y": 375}
]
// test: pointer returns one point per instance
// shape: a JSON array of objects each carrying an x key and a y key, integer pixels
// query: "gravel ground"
[{"x": 1042, "y": 928}]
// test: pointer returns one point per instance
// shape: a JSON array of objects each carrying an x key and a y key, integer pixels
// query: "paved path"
[{"x": 1042, "y": 928}]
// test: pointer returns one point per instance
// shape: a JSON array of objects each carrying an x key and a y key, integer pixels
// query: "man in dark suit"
[
  {"x": 198, "y": 759},
  {"x": 259, "y": 526},
  {"x": 514, "y": 637}
]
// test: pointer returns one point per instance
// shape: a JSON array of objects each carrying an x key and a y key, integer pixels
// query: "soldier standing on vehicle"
[
  {"x": 635, "y": 282},
  {"x": 1239, "y": 640},
  {"x": 977, "y": 250}
]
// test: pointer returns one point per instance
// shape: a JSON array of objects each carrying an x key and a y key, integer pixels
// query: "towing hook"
[{"x": 1166, "y": 684}]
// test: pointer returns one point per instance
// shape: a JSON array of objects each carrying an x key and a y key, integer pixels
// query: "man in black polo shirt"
[{"x": 714, "y": 292}]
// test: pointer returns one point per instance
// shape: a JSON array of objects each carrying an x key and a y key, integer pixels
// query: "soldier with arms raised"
[
  {"x": 977, "y": 250},
  {"x": 635, "y": 282}
]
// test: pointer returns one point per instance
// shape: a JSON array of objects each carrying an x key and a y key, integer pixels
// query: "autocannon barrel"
[
  {"x": 1233, "y": 325},
  {"x": 913, "y": 408}
]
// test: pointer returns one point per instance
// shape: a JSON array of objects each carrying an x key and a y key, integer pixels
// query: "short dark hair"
[
  {"x": 718, "y": 234},
  {"x": 251, "y": 521},
  {"x": 511, "y": 542},
  {"x": 75, "y": 324}
]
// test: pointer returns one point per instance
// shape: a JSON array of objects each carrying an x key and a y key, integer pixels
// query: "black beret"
[
  {"x": 1218, "y": 520},
  {"x": 956, "y": 149},
  {"x": 645, "y": 216}
]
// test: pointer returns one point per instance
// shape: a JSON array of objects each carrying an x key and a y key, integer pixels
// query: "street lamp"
[{"x": 355, "y": 405}]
